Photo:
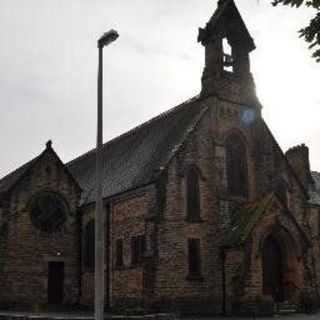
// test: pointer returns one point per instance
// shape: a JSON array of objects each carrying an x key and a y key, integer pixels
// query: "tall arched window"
[
  {"x": 88, "y": 248},
  {"x": 237, "y": 169},
  {"x": 193, "y": 195}
]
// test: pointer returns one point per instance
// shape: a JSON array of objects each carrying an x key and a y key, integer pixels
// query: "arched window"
[
  {"x": 89, "y": 248},
  {"x": 237, "y": 170},
  {"x": 193, "y": 195}
]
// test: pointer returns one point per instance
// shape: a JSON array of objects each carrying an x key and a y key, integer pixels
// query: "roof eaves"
[
  {"x": 116, "y": 195},
  {"x": 29, "y": 165}
]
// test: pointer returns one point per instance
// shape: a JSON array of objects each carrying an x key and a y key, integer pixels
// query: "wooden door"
[
  {"x": 55, "y": 282},
  {"x": 273, "y": 270}
]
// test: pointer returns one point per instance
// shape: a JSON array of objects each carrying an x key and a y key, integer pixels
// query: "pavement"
[
  {"x": 12, "y": 315},
  {"x": 295, "y": 316}
]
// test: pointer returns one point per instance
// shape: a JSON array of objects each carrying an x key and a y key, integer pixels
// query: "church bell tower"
[{"x": 227, "y": 45}]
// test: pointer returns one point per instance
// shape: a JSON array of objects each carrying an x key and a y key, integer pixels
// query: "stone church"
[{"x": 203, "y": 210}]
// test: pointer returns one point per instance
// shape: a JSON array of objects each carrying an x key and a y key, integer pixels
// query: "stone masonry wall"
[
  {"x": 87, "y": 275},
  {"x": 205, "y": 149},
  {"x": 173, "y": 287},
  {"x": 129, "y": 216}
]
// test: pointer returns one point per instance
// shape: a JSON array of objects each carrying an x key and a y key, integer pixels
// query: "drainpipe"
[{"x": 223, "y": 258}]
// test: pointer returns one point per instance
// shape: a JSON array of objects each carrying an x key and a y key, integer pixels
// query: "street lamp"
[{"x": 99, "y": 279}]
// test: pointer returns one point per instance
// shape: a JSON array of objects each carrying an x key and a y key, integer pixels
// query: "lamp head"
[{"x": 107, "y": 38}]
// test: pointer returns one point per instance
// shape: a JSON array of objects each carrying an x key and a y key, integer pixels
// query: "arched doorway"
[{"x": 273, "y": 269}]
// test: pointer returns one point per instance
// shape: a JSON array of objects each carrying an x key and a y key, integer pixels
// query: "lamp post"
[{"x": 99, "y": 279}]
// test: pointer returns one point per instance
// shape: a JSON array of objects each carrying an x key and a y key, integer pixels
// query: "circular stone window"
[{"x": 48, "y": 212}]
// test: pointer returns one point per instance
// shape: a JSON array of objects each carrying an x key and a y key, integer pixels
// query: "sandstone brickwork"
[
  {"x": 28, "y": 250},
  {"x": 204, "y": 213}
]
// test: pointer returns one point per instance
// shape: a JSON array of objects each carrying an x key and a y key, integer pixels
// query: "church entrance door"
[
  {"x": 55, "y": 282},
  {"x": 273, "y": 269}
]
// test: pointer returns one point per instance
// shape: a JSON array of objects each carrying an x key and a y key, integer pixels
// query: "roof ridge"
[{"x": 136, "y": 128}]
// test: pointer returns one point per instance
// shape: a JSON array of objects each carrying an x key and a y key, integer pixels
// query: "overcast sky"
[{"x": 48, "y": 63}]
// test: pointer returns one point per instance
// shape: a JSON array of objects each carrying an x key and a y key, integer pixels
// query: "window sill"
[
  {"x": 231, "y": 197},
  {"x": 88, "y": 270},
  {"x": 119, "y": 268},
  {"x": 136, "y": 265},
  {"x": 195, "y": 278},
  {"x": 194, "y": 220}
]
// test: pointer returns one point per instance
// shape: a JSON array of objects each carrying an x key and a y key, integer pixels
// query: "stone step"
[{"x": 286, "y": 308}]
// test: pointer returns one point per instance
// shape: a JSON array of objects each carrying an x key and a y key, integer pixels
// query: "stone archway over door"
[{"x": 273, "y": 269}]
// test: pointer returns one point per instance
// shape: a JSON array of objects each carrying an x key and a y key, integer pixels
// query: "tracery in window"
[{"x": 48, "y": 211}]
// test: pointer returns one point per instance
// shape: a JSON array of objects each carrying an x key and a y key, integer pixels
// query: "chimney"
[{"x": 298, "y": 157}]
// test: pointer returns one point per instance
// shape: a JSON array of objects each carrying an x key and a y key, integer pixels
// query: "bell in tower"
[{"x": 227, "y": 45}]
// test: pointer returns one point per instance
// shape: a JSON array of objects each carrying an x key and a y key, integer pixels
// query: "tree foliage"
[{"x": 311, "y": 33}]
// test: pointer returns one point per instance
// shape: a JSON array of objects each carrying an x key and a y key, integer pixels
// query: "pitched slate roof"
[
  {"x": 244, "y": 220},
  {"x": 7, "y": 182},
  {"x": 314, "y": 190},
  {"x": 10, "y": 180},
  {"x": 137, "y": 157},
  {"x": 246, "y": 217}
]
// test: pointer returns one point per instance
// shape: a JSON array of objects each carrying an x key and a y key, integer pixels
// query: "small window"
[
  {"x": 193, "y": 195},
  {"x": 89, "y": 247},
  {"x": 138, "y": 245},
  {"x": 119, "y": 253},
  {"x": 194, "y": 258}
]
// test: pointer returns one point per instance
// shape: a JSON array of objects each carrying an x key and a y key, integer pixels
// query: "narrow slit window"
[
  {"x": 138, "y": 246},
  {"x": 119, "y": 253},
  {"x": 237, "y": 168},
  {"x": 194, "y": 257},
  {"x": 193, "y": 195}
]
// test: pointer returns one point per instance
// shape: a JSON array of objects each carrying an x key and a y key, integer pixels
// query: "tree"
[{"x": 310, "y": 33}]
